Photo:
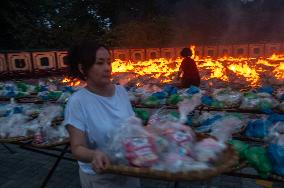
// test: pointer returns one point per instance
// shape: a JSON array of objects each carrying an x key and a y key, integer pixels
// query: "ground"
[{"x": 27, "y": 169}]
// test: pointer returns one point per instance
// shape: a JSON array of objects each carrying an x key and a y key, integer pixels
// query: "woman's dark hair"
[
  {"x": 84, "y": 54},
  {"x": 186, "y": 52}
]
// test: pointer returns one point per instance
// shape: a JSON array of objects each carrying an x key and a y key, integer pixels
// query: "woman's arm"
[{"x": 81, "y": 152}]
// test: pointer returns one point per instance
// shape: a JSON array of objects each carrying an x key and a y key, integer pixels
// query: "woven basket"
[
  {"x": 53, "y": 144},
  {"x": 225, "y": 163},
  {"x": 15, "y": 139}
]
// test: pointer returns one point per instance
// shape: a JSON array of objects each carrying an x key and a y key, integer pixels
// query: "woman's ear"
[{"x": 80, "y": 67}]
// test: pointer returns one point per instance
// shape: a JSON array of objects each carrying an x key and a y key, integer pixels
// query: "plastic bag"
[
  {"x": 142, "y": 114},
  {"x": 180, "y": 137},
  {"x": 224, "y": 128},
  {"x": 187, "y": 106},
  {"x": 276, "y": 155},
  {"x": 11, "y": 126},
  {"x": 48, "y": 114},
  {"x": 64, "y": 97},
  {"x": 173, "y": 162},
  {"x": 227, "y": 96},
  {"x": 240, "y": 147},
  {"x": 56, "y": 134},
  {"x": 280, "y": 93},
  {"x": 151, "y": 101},
  {"x": 258, "y": 158},
  {"x": 257, "y": 128},
  {"x": 132, "y": 144},
  {"x": 208, "y": 150}
]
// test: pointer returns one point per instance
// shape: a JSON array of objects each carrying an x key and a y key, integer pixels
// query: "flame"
[
  {"x": 251, "y": 71},
  {"x": 226, "y": 69},
  {"x": 243, "y": 69},
  {"x": 279, "y": 71},
  {"x": 70, "y": 82}
]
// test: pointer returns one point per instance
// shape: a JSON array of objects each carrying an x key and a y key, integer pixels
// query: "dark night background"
[{"x": 57, "y": 24}]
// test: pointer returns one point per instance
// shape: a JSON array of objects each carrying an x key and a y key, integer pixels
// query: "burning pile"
[{"x": 226, "y": 71}]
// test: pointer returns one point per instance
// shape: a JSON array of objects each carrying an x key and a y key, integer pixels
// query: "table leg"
[
  {"x": 8, "y": 148},
  {"x": 50, "y": 173}
]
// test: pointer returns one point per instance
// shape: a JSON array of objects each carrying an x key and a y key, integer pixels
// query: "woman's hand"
[{"x": 100, "y": 161}]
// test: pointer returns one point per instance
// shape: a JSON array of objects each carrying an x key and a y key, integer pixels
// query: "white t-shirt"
[{"x": 97, "y": 116}]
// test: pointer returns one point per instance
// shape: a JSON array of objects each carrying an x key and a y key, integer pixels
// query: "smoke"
[{"x": 228, "y": 21}]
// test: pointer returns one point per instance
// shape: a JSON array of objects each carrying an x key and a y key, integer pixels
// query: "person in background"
[
  {"x": 92, "y": 113},
  {"x": 188, "y": 73}
]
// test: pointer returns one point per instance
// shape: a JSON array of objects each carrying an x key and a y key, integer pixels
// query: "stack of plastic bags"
[
  {"x": 261, "y": 100},
  {"x": 165, "y": 143}
]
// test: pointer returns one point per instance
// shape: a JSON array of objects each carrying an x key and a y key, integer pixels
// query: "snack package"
[
  {"x": 140, "y": 151},
  {"x": 180, "y": 137},
  {"x": 132, "y": 144}
]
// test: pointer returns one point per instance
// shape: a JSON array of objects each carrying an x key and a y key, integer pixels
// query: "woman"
[
  {"x": 92, "y": 113},
  {"x": 188, "y": 69}
]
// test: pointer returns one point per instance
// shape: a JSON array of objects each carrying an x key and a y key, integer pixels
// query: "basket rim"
[
  {"x": 178, "y": 176},
  {"x": 53, "y": 144},
  {"x": 15, "y": 139}
]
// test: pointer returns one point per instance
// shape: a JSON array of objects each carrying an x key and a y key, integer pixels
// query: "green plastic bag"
[
  {"x": 250, "y": 95},
  {"x": 36, "y": 89},
  {"x": 142, "y": 114},
  {"x": 240, "y": 147},
  {"x": 22, "y": 87},
  {"x": 54, "y": 95},
  {"x": 151, "y": 101},
  {"x": 258, "y": 158},
  {"x": 174, "y": 99},
  {"x": 217, "y": 104},
  {"x": 21, "y": 94}
]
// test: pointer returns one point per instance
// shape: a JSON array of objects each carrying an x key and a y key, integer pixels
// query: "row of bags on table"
[
  {"x": 263, "y": 99},
  {"x": 43, "y": 90},
  {"x": 45, "y": 125}
]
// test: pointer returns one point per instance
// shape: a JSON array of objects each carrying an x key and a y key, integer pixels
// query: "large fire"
[{"x": 251, "y": 72}]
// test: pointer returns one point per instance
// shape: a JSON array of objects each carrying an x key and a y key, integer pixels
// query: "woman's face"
[{"x": 100, "y": 73}]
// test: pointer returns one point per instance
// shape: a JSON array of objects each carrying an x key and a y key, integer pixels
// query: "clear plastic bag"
[
  {"x": 224, "y": 128},
  {"x": 187, "y": 106},
  {"x": 227, "y": 96},
  {"x": 132, "y": 144},
  {"x": 208, "y": 150},
  {"x": 12, "y": 126},
  {"x": 48, "y": 113}
]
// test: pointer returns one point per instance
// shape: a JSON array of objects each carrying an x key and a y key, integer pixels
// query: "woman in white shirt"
[{"x": 92, "y": 113}]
